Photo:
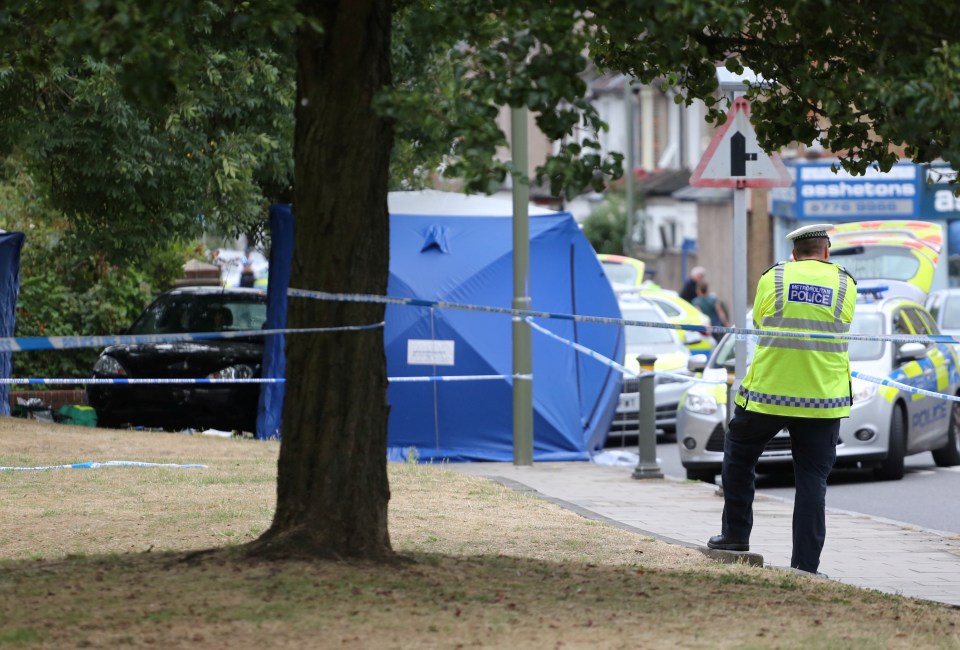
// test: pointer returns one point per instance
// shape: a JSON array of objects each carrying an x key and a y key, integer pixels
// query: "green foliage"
[
  {"x": 865, "y": 79},
  {"x": 457, "y": 61},
  {"x": 66, "y": 292},
  {"x": 129, "y": 165},
  {"x": 606, "y": 227}
]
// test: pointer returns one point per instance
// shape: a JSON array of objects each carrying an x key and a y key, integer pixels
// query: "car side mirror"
[
  {"x": 697, "y": 363},
  {"x": 692, "y": 337},
  {"x": 911, "y": 352}
]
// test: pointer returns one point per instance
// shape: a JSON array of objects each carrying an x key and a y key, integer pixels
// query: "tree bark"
[{"x": 332, "y": 488}]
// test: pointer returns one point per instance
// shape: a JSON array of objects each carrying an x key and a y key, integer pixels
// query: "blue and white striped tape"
[
  {"x": 527, "y": 313},
  {"x": 34, "y": 343},
  {"x": 138, "y": 380},
  {"x": 265, "y": 380},
  {"x": 109, "y": 463},
  {"x": 613, "y": 364},
  {"x": 886, "y": 381},
  {"x": 442, "y": 378}
]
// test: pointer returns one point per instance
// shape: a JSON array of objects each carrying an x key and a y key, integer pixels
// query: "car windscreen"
[
  {"x": 620, "y": 273},
  {"x": 878, "y": 262},
  {"x": 668, "y": 307},
  {"x": 638, "y": 336},
  {"x": 175, "y": 314},
  {"x": 863, "y": 323}
]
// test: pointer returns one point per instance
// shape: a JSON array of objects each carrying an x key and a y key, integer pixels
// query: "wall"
[
  {"x": 51, "y": 398},
  {"x": 715, "y": 244}
]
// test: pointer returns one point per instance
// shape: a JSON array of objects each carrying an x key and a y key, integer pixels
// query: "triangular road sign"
[{"x": 734, "y": 159}]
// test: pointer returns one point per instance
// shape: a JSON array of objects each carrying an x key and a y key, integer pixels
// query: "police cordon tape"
[
  {"x": 35, "y": 343},
  {"x": 109, "y": 463},
  {"x": 884, "y": 381},
  {"x": 23, "y": 344},
  {"x": 252, "y": 380},
  {"x": 613, "y": 364},
  {"x": 610, "y": 362},
  {"x": 529, "y": 313}
]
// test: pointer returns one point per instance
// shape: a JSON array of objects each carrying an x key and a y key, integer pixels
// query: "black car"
[{"x": 228, "y": 407}]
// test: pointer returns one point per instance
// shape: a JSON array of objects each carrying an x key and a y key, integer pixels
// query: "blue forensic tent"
[{"x": 459, "y": 249}]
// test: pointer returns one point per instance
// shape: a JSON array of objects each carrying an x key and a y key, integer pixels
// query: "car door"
[
  {"x": 926, "y": 414},
  {"x": 943, "y": 364}
]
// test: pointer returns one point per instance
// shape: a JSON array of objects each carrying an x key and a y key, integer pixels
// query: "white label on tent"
[{"x": 421, "y": 352}]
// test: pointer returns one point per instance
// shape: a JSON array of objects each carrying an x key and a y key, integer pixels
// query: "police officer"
[{"x": 800, "y": 384}]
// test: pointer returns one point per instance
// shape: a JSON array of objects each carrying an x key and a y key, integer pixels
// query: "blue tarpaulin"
[
  {"x": 11, "y": 244},
  {"x": 274, "y": 359},
  {"x": 459, "y": 249}
]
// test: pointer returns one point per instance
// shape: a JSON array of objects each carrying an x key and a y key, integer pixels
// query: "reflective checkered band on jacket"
[{"x": 799, "y": 402}]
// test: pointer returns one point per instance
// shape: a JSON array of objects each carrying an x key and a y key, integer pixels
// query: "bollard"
[{"x": 647, "y": 467}]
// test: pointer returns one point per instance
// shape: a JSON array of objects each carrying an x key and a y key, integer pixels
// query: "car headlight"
[
  {"x": 705, "y": 404},
  {"x": 863, "y": 390},
  {"x": 239, "y": 371},
  {"x": 107, "y": 365}
]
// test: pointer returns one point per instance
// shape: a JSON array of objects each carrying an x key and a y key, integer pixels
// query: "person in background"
[
  {"x": 247, "y": 276},
  {"x": 650, "y": 279},
  {"x": 689, "y": 290},
  {"x": 711, "y": 307},
  {"x": 798, "y": 384}
]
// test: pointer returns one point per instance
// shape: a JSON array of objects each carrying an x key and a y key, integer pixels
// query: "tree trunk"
[{"x": 332, "y": 488}]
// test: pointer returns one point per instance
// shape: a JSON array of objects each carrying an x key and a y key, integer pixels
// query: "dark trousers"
[{"x": 814, "y": 443}]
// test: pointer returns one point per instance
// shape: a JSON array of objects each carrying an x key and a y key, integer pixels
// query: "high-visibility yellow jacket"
[{"x": 799, "y": 376}]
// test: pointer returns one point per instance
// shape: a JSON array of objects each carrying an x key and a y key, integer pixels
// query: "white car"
[
  {"x": 885, "y": 424},
  {"x": 672, "y": 355}
]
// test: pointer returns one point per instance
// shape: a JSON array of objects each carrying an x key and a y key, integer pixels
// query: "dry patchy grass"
[{"x": 492, "y": 567}]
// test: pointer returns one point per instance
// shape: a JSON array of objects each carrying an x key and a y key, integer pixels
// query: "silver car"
[
  {"x": 885, "y": 424},
  {"x": 672, "y": 355}
]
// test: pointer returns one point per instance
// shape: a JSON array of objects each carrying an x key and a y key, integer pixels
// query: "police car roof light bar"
[{"x": 873, "y": 293}]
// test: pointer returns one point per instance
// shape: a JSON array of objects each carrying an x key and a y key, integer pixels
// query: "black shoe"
[{"x": 724, "y": 543}]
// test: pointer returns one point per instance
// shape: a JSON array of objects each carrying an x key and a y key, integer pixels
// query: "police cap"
[{"x": 808, "y": 232}]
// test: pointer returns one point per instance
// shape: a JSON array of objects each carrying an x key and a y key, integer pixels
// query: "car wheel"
[
  {"x": 892, "y": 467},
  {"x": 949, "y": 454},
  {"x": 701, "y": 474}
]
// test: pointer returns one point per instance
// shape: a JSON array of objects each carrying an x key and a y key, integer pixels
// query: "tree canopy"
[{"x": 131, "y": 154}]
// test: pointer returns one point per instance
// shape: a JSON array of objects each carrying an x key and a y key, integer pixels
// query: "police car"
[
  {"x": 885, "y": 424},
  {"x": 671, "y": 357}
]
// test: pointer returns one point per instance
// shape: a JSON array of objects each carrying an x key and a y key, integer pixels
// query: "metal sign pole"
[
  {"x": 740, "y": 278},
  {"x": 739, "y": 274},
  {"x": 522, "y": 344}
]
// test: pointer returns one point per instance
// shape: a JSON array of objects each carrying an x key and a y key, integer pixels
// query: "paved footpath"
[{"x": 861, "y": 550}]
